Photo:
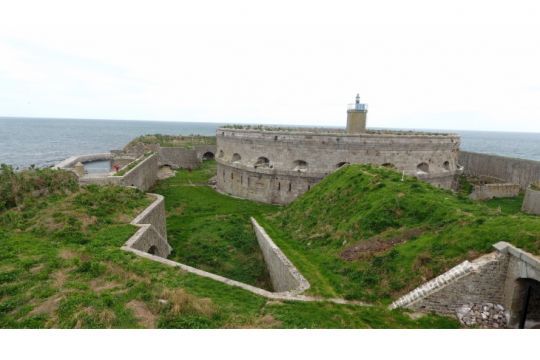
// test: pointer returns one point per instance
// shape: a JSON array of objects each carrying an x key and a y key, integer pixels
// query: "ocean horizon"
[{"x": 44, "y": 142}]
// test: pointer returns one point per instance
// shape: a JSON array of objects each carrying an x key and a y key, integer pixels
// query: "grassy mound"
[
  {"x": 187, "y": 142},
  {"x": 61, "y": 266},
  {"x": 363, "y": 233}
]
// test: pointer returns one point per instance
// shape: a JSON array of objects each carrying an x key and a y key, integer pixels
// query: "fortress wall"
[
  {"x": 517, "y": 171},
  {"x": 152, "y": 234},
  {"x": 178, "y": 158},
  {"x": 323, "y": 152},
  {"x": 531, "y": 203},
  {"x": 283, "y": 274},
  {"x": 282, "y": 179},
  {"x": 490, "y": 191},
  {"x": 143, "y": 176},
  {"x": 269, "y": 187}
]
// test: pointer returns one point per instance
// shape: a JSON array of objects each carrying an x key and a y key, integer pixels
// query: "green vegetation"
[
  {"x": 362, "y": 233},
  {"x": 61, "y": 266},
  {"x": 187, "y": 142},
  {"x": 212, "y": 231},
  {"x": 132, "y": 164},
  {"x": 18, "y": 187}
]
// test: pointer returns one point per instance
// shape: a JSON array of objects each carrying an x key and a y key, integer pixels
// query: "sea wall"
[
  {"x": 510, "y": 170},
  {"x": 531, "y": 203},
  {"x": 72, "y": 160},
  {"x": 491, "y": 191},
  {"x": 283, "y": 274},
  {"x": 152, "y": 234}
]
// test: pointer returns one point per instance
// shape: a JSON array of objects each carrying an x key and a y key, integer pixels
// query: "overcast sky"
[{"x": 417, "y": 64}]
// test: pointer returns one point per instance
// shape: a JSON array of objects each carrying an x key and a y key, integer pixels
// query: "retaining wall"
[
  {"x": 490, "y": 191},
  {"x": 177, "y": 157},
  {"x": 283, "y": 274},
  {"x": 531, "y": 203},
  {"x": 152, "y": 234},
  {"x": 517, "y": 171}
]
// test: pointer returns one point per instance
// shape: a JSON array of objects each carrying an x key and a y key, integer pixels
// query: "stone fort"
[{"x": 276, "y": 165}]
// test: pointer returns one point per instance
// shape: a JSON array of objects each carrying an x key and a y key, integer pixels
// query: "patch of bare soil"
[
  {"x": 377, "y": 244},
  {"x": 47, "y": 307},
  {"x": 181, "y": 302},
  {"x": 165, "y": 172},
  {"x": 143, "y": 315},
  {"x": 99, "y": 285},
  {"x": 60, "y": 277},
  {"x": 66, "y": 254},
  {"x": 36, "y": 269}
]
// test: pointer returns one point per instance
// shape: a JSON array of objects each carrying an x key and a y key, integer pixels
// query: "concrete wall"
[
  {"x": 239, "y": 150},
  {"x": 490, "y": 191},
  {"x": 152, "y": 233},
  {"x": 531, "y": 203},
  {"x": 283, "y": 274},
  {"x": 517, "y": 171}
]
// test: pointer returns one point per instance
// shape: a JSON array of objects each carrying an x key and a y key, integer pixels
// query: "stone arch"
[
  {"x": 446, "y": 165},
  {"x": 153, "y": 250},
  {"x": 236, "y": 157},
  {"x": 422, "y": 168},
  {"x": 300, "y": 165},
  {"x": 208, "y": 156},
  {"x": 343, "y": 163},
  {"x": 262, "y": 162}
]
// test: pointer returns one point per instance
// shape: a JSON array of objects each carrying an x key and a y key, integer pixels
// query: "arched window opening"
[
  {"x": 290, "y": 187},
  {"x": 153, "y": 250},
  {"x": 221, "y": 153},
  {"x": 236, "y": 157},
  {"x": 446, "y": 165},
  {"x": 262, "y": 162},
  {"x": 208, "y": 156},
  {"x": 422, "y": 168},
  {"x": 300, "y": 166}
]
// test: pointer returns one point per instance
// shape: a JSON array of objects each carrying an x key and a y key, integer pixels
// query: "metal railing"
[{"x": 357, "y": 107}]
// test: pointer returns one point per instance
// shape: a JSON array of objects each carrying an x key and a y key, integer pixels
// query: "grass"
[
  {"x": 61, "y": 267},
  {"x": 364, "y": 234},
  {"x": 212, "y": 231},
  {"x": 186, "y": 142}
]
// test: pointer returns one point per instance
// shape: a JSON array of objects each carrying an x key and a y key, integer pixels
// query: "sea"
[{"x": 44, "y": 142}]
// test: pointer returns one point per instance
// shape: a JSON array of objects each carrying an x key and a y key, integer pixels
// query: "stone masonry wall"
[
  {"x": 144, "y": 175},
  {"x": 178, "y": 158},
  {"x": 478, "y": 282},
  {"x": 297, "y": 160},
  {"x": 531, "y": 203},
  {"x": 152, "y": 231},
  {"x": 517, "y": 171},
  {"x": 490, "y": 191},
  {"x": 283, "y": 274}
]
